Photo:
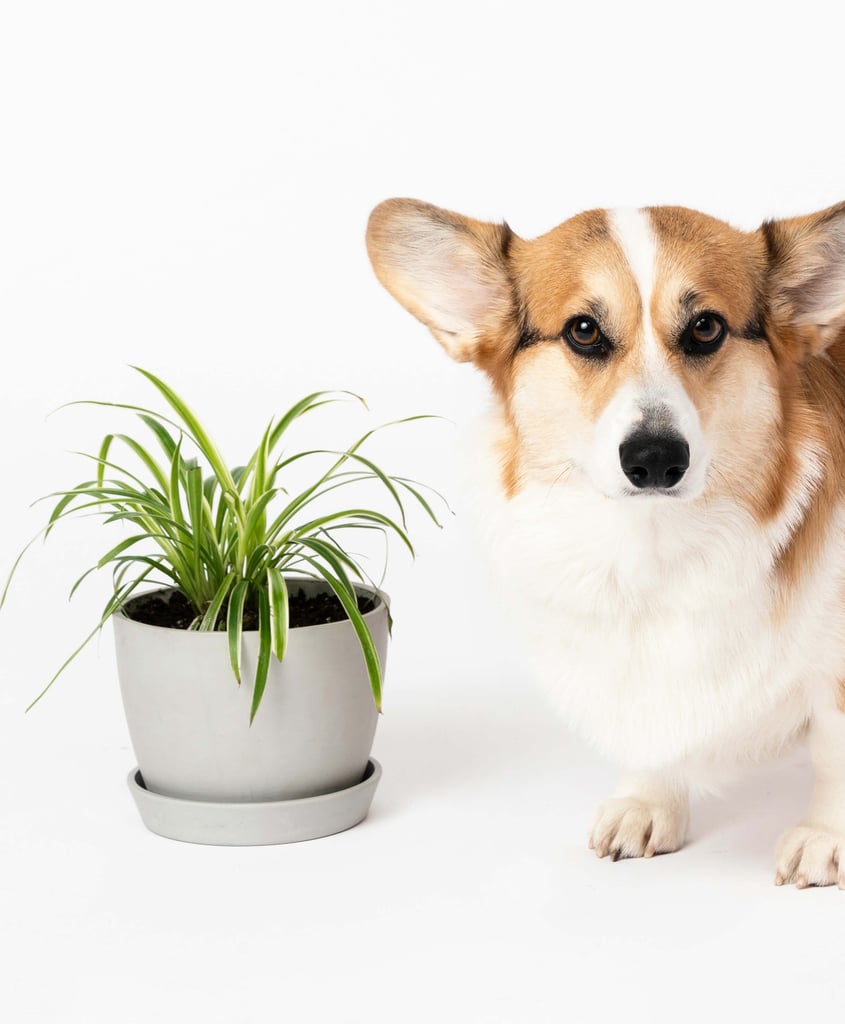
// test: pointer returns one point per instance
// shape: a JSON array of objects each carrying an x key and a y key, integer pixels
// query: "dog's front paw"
[
  {"x": 628, "y": 827},
  {"x": 810, "y": 856}
]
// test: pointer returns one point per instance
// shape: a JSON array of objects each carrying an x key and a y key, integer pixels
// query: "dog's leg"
[
  {"x": 814, "y": 852},
  {"x": 649, "y": 814}
]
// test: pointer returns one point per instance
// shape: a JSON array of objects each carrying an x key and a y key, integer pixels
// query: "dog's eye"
[
  {"x": 585, "y": 337},
  {"x": 584, "y": 331},
  {"x": 704, "y": 334},
  {"x": 707, "y": 329}
]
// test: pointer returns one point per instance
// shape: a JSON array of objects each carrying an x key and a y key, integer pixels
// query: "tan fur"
[
  {"x": 558, "y": 276},
  {"x": 815, "y": 399},
  {"x": 725, "y": 267},
  {"x": 725, "y": 270},
  {"x": 811, "y": 361}
]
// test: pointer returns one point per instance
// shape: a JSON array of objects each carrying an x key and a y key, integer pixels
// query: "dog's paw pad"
[
  {"x": 810, "y": 856},
  {"x": 627, "y": 827}
]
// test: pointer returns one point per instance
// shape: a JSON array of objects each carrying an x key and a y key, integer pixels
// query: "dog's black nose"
[{"x": 654, "y": 460}]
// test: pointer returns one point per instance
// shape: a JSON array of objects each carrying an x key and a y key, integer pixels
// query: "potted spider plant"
[{"x": 251, "y": 673}]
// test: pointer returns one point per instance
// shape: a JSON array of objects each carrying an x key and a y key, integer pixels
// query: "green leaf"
[
  {"x": 383, "y": 477},
  {"x": 235, "y": 625},
  {"x": 265, "y": 641},
  {"x": 173, "y": 489},
  {"x": 112, "y": 553},
  {"x": 101, "y": 463},
  {"x": 209, "y": 488},
  {"x": 203, "y": 440},
  {"x": 193, "y": 487},
  {"x": 141, "y": 410},
  {"x": 58, "y": 510},
  {"x": 101, "y": 457},
  {"x": 305, "y": 405},
  {"x": 158, "y": 563},
  {"x": 279, "y": 611},
  {"x": 412, "y": 485},
  {"x": 257, "y": 560},
  {"x": 153, "y": 421},
  {"x": 358, "y": 569},
  {"x": 209, "y": 620},
  {"x": 255, "y": 524},
  {"x": 43, "y": 531},
  {"x": 335, "y": 557},
  {"x": 365, "y": 638},
  {"x": 347, "y": 518},
  {"x": 145, "y": 457},
  {"x": 258, "y": 463}
]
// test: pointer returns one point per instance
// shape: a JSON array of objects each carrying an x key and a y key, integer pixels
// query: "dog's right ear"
[
  {"x": 807, "y": 278},
  {"x": 449, "y": 271}
]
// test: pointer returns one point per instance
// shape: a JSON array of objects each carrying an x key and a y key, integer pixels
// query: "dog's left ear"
[{"x": 807, "y": 277}]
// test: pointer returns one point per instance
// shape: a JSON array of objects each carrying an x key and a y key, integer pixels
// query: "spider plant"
[{"x": 226, "y": 538}]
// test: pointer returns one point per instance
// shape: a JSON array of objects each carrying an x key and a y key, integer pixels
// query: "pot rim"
[{"x": 381, "y": 598}]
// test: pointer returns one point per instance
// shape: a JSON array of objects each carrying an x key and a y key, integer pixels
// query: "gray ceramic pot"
[{"x": 189, "y": 719}]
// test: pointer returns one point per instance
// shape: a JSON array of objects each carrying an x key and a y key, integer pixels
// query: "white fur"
[
  {"x": 813, "y": 853},
  {"x": 653, "y": 623},
  {"x": 651, "y": 626},
  {"x": 633, "y": 234}
]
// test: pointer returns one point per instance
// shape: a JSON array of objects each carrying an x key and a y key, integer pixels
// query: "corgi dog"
[{"x": 666, "y": 505}]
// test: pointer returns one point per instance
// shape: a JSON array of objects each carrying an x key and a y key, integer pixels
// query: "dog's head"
[{"x": 649, "y": 351}]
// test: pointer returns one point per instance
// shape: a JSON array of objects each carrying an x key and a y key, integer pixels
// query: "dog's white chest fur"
[{"x": 652, "y": 622}]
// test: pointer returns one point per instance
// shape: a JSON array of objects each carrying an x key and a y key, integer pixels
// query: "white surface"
[{"x": 186, "y": 187}]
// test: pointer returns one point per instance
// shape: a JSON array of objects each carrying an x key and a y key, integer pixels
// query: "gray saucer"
[{"x": 255, "y": 824}]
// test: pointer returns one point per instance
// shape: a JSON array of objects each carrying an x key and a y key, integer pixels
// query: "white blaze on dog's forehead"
[{"x": 632, "y": 231}]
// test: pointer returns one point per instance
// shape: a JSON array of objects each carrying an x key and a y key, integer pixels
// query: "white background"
[{"x": 185, "y": 187}]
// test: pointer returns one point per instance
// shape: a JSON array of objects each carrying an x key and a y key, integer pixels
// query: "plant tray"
[{"x": 265, "y": 823}]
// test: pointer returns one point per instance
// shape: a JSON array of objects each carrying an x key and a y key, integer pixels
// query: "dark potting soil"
[{"x": 171, "y": 608}]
